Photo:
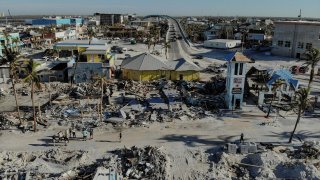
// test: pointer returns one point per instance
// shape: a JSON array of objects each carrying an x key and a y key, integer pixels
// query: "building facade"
[
  {"x": 9, "y": 42},
  {"x": 256, "y": 35},
  {"x": 146, "y": 67},
  {"x": 54, "y": 21},
  {"x": 236, "y": 76},
  {"x": 109, "y": 19},
  {"x": 294, "y": 38},
  {"x": 86, "y": 72}
]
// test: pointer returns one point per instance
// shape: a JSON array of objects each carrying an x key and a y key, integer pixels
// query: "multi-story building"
[
  {"x": 236, "y": 75},
  {"x": 61, "y": 35},
  {"x": 109, "y": 19},
  {"x": 256, "y": 35},
  {"x": 54, "y": 21},
  {"x": 293, "y": 38},
  {"x": 9, "y": 41}
]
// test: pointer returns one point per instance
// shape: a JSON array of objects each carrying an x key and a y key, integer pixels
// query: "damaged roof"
[
  {"x": 183, "y": 65},
  {"x": 145, "y": 62},
  {"x": 237, "y": 57},
  {"x": 284, "y": 75},
  {"x": 82, "y": 43}
]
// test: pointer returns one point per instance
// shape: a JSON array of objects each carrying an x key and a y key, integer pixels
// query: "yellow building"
[
  {"x": 91, "y": 51},
  {"x": 94, "y": 54},
  {"x": 98, "y": 53},
  {"x": 146, "y": 67}
]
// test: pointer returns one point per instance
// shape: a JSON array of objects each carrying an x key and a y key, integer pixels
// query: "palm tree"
[
  {"x": 301, "y": 103},
  {"x": 275, "y": 87},
  {"x": 11, "y": 58},
  {"x": 33, "y": 79},
  {"x": 166, "y": 46},
  {"x": 77, "y": 59},
  {"x": 16, "y": 41},
  {"x": 140, "y": 35},
  {"x": 101, "y": 80},
  {"x": 312, "y": 60},
  {"x": 149, "y": 41},
  {"x": 91, "y": 34},
  {"x": 154, "y": 32}
]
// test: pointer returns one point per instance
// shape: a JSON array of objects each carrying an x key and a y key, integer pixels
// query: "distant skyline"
[{"x": 273, "y": 8}]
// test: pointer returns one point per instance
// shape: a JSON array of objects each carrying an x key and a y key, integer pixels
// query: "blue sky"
[{"x": 288, "y": 8}]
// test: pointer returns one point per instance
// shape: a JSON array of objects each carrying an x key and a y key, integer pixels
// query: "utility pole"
[
  {"x": 242, "y": 43},
  {"x": 300, "y": 15}
]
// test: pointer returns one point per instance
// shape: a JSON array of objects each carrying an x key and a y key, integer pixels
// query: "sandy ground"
[{"x": 178, "y": 138}]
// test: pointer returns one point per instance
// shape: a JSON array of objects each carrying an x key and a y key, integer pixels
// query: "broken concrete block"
[
  {"x": 244, "y": 148},
  {"x": 232, "y": 148},
  {"x": 252, "y": 147},
  {"x": 153, "y": 117}
]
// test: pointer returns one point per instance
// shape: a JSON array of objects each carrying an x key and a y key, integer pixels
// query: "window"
[
  {"x": 236, "y": 66},
  {"x": 300, "y": 45},
  {"x": 280, "y": 43},
  {"x": 101, "y": 56},
  {"x": 284, "y": 87},
  {"x": 309, "y": 46},
  {"x": 287, "y": 44},
  {"x": 241, "y": 69}
]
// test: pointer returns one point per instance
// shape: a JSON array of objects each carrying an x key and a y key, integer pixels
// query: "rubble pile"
[
  {"x": 263, "y": 165},
  {"x": 208, "y": 95},
  {"x": 272, "y": 123},
  {"x": 138, "y": 88},
  {"x": 130, "y": 103},
  {"x": 143, "y": 163},
  {"x": 216, "y": 86},
  {"x": 5, "y": 123},
  {"x": 134, "y": 163},
  {"x": 85, "y": 89},
  {"x": 309, "y": 150},
  {"x": 39, "y": 165},
  {"x": 166, "y": 101}
]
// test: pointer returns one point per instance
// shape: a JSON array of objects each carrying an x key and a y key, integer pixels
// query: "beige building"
[{"x": 293, "y": 38}]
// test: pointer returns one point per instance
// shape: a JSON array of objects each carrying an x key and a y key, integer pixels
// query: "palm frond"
[{"x": 31, "y": 72}]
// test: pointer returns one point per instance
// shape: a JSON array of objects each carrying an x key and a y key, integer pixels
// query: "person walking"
[
  {"x": 74, "y": 133},
  {"x": 66, "y": 133},
  {"x": 60, "y": 135},
  {"x": 111, "y": 90},
  {"x": 70, "y": 132},
  {"x": 241, "y": 138},
  {"x": 54, "y": 139},
  {"x": 91, "y": 133},
  {"x": 66, "y": 140},
  {"x": 120, "y": 136},
  {"x": 85, "y": 134}
]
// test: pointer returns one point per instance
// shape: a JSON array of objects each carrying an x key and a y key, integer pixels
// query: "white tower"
[{"x": 237, "y": 65}]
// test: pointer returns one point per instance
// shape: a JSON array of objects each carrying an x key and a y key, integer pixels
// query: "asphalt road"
[{"x": 174, "y": 52}]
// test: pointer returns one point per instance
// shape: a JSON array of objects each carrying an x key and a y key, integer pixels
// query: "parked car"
[
  {"x": 303, "y": 69},
  {"x": 198, "y": 57},
  {"x": 299, "y": 69},
  {"x": 24, "y": 93}
]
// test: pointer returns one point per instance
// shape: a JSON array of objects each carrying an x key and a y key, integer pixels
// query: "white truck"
[{"x": 222, "y": 43}]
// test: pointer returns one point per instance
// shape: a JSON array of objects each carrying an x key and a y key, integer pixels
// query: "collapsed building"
[{"x": 277, "y": 85}]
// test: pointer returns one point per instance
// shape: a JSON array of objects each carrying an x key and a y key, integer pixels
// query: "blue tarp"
[{"x": 284, "y": 75}]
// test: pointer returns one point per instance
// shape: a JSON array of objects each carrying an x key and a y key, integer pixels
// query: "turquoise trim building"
[
  {"x": 57, "y": 22},
  {"x": 8, "y": 43}
]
